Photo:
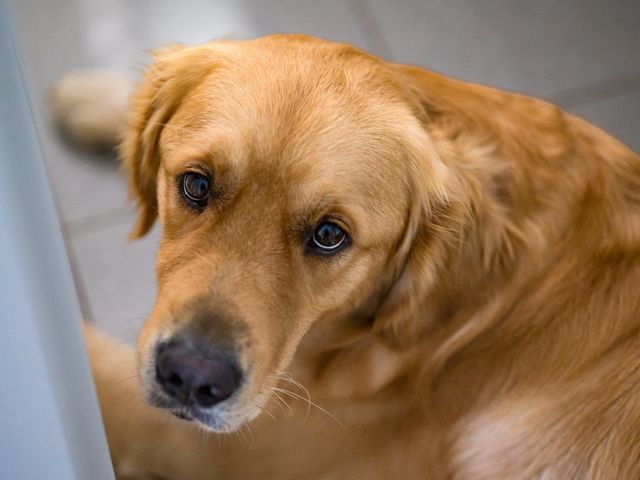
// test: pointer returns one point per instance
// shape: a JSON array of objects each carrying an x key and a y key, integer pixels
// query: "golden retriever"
[{"x": 371, "y": 271}]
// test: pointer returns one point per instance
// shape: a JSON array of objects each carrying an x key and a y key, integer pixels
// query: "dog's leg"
[
  {"x": 150, "y": 444},
  {"x": 145, "y": 443}
]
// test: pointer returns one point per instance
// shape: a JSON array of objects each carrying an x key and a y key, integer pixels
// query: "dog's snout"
[{"x": 195, "y": 375}]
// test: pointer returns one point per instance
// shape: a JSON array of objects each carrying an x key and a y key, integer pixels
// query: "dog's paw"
[{"x": 90, "y": 106}]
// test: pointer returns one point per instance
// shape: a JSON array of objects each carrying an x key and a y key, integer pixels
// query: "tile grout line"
[
  {"x": 370, "y": 27},
  {"x": 597, "y": 91},
  {"x": 97, "y": 222},
  {"x": 81, "y": 291},
  {"x": 569, "y": 98}
]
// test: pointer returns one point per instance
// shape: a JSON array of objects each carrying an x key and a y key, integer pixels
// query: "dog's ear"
[
  {"x": 433, "y": 230},
  {"x": 416, "y": 271},
  {"x": 176, "y": 71}
]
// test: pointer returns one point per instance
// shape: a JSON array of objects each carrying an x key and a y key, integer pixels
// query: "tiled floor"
[{"x": 582, "y": 54}]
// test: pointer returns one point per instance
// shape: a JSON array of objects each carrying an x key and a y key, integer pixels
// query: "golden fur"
[{"x": 482, "y": 325}]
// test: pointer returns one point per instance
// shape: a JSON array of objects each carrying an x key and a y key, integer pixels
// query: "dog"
[{"x": 368, "y": 270}]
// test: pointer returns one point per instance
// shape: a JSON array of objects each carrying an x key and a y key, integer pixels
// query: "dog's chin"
[
  {"x": 221, "y": 418},
  {"x": 206, "y": 421}
]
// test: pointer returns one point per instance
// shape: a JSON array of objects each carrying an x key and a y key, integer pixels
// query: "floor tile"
[
  {"x": 598, "y": 91},
  {"x": 59, "y": 35},
  {"x": 619, "y": 116},
  {"x": 330, "y": 19},
  {"x": 84, "y": 183},
  {"x": 117, "y": 278},
  {"x": 539, "y": 47}
]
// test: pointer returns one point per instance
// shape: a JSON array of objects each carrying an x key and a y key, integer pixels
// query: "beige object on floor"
[{"x": 90, "y": 106}]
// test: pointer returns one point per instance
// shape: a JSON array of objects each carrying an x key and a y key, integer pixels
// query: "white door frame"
[{"x": 50, "y": 425}]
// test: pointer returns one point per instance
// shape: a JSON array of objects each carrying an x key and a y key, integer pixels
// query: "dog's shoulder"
[{"x": 588, "y": 427}]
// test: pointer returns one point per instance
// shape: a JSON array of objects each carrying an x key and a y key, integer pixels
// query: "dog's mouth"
[
  {"x": 185, "y": 410},
  {"x": 224, "y": 417},
  {"x": 215, "y": 419},
  {"x": 182, "y": 414}
]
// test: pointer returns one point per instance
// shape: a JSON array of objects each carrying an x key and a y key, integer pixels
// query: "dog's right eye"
[
  {"x": 328, "y": 238},
  {"x": 195, "y": 188}
]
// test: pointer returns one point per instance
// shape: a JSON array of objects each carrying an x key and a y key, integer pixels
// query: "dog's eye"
[
  {"x": 195, "y": 188},
  {"x": 328, "y": 238}
]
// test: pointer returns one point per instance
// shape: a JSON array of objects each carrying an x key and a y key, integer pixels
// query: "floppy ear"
[
  {"x": 469, "y": 231},
  {"x": 416, "y": 272},
  {"x": 433, "y": 231},
  {"x": 176, "y": 71}
]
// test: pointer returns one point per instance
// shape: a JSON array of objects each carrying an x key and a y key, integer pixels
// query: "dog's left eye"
[
  {"x": 195, "y": 188},
  {"x": 328, "y": 238}
]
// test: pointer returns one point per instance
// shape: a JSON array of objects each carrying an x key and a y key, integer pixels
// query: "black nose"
[{"x": 189, "y": 374}]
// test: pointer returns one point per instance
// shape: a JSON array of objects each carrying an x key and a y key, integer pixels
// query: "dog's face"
[{"x": 289, "y": 176}]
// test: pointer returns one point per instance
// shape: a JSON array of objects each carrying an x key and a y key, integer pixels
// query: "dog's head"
[{"x": 291, "y": 178}]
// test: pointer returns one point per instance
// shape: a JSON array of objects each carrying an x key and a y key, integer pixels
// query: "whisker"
[
  {"x": 286, "y": 376},
  {"x": 203, "y": 434},
  {"x": 290, "y": 379},
  {"x": 295, "y": 395},
  {"x": 248, "y": 427},
  {"x": 265, "y": 410},
  {"x": 241, "y": 435},
  {"x": 281, "y": 401}
]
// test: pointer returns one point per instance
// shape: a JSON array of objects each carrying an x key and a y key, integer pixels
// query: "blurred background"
[{"x": 582, "y": 54}]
